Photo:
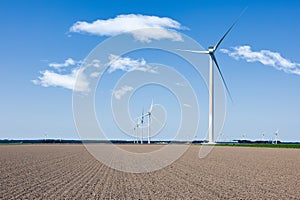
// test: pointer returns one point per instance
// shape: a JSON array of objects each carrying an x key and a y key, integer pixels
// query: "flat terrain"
[{"x": 70, "y": 172}]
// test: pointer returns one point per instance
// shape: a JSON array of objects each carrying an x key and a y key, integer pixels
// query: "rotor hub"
[{"x": 211, "y": 49}]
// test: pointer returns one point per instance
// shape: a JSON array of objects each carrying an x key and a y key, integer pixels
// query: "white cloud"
[
  {"x": 187, "y": 105},
  {"x": 122, "y": 91},
  {"x": 128, "y": 64},
  {"x": 96, "y": 63},
  {"x": 57, "y": 78},
  {"x": 265, "y": 57},
  {"x": 146, "y": 35},
  {"x": 68, "y": 81},
  {"x": 95, "y": 74},
  {"x": 68, "y": 62},
  {"x": 180, "y": 84},
  {"x": 137, "y": 25},
  {"x": 76, "y": 80}
]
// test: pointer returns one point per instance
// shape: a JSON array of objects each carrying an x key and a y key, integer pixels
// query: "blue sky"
[{"x": 259, "y": 61}]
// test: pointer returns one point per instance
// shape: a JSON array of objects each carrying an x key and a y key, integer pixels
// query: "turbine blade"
[
  {"x": 215, "y": 61},
  {"x": 142, "y": 120},
  {"x": 151, "y": 106},
  {"x": 218, "y": 44},
  {"x": 194, "y": 51}
]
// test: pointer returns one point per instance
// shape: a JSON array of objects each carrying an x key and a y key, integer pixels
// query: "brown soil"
[{"x": 70, "y": 172}]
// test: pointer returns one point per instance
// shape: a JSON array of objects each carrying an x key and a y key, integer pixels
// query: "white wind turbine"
[
  {"x": 276, "y": 136},
  {"x": 45, "y": 136},
  {"x": 134, "y": 134},
  {"x": 263, "y": 135},
  {"x": 135, "y": 130},
  {"x": 210, "y": 52},
  {"x": 244, "y": 136},
  {"x": 139, "y": 124},
  {"x": 149, "y": 115}
]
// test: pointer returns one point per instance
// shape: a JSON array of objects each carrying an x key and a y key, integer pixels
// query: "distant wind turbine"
[
  {"x": 244, "y": 136},
  {"x": 136, "y": 130},
  {"x": 276, "y": 136},
  {"x": 211, "y": 53},
  {"x": 263, "y": 136},
  {"x": 46, "y": 136},
  {"x": 148, "y": 114}
]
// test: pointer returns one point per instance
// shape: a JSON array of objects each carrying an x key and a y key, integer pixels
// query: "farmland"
[{"x": 62, "y": 171}]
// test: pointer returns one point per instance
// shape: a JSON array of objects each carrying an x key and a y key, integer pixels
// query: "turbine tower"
[
  {"x": 137, "y": 128},
  {"x": 211, "y": 52},
  {"x": 134, "y": 134},
  {"x": 142, "y": 128},
  {"x": 149, "y": 120},
  {"x": 137, "y": 125}
]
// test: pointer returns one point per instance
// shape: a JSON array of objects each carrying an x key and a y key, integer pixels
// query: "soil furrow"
[{"x": 70, "y": 172}]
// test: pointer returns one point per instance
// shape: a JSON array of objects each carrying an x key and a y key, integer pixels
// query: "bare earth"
[{"x": 70, "y": 172}]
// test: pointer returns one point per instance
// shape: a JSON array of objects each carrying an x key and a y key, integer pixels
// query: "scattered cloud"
[
  {"x": 128, "y": 64},
  {"x": 68, "y": 81},
  {"x": 95, "y": 74},
  {"x": 122, "y": 91},
  {"x": 76, "y": 81},
  {"x": 96, "y": 63},
  {"x": 266, "y": 57},
  {"x": 180, "y": 84},
  {"x": 68, "y": 62},
  {"x": 140, "y": 26},
  {"x": 187, "y": 105}
]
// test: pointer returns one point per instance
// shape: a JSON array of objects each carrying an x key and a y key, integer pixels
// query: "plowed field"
[{"x": 70, "y": 172}]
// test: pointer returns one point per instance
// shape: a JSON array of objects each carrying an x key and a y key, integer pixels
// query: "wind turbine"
[
  {"x": 244, "y": 136},
  {"x": 211, "y": 52},
  {"x": 136, "y": 128},
  {"x": 148, "y": 114},
  {"x": 132, "y": 133},
  {"x": 276, "y": 136},
  {"x": 139, "y": 123},
  {"x": 263, "y": 135},
  {"x": 46, "y": 136}
]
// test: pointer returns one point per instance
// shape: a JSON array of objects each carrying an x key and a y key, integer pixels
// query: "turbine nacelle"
[{"x": 211, "y": 49}]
